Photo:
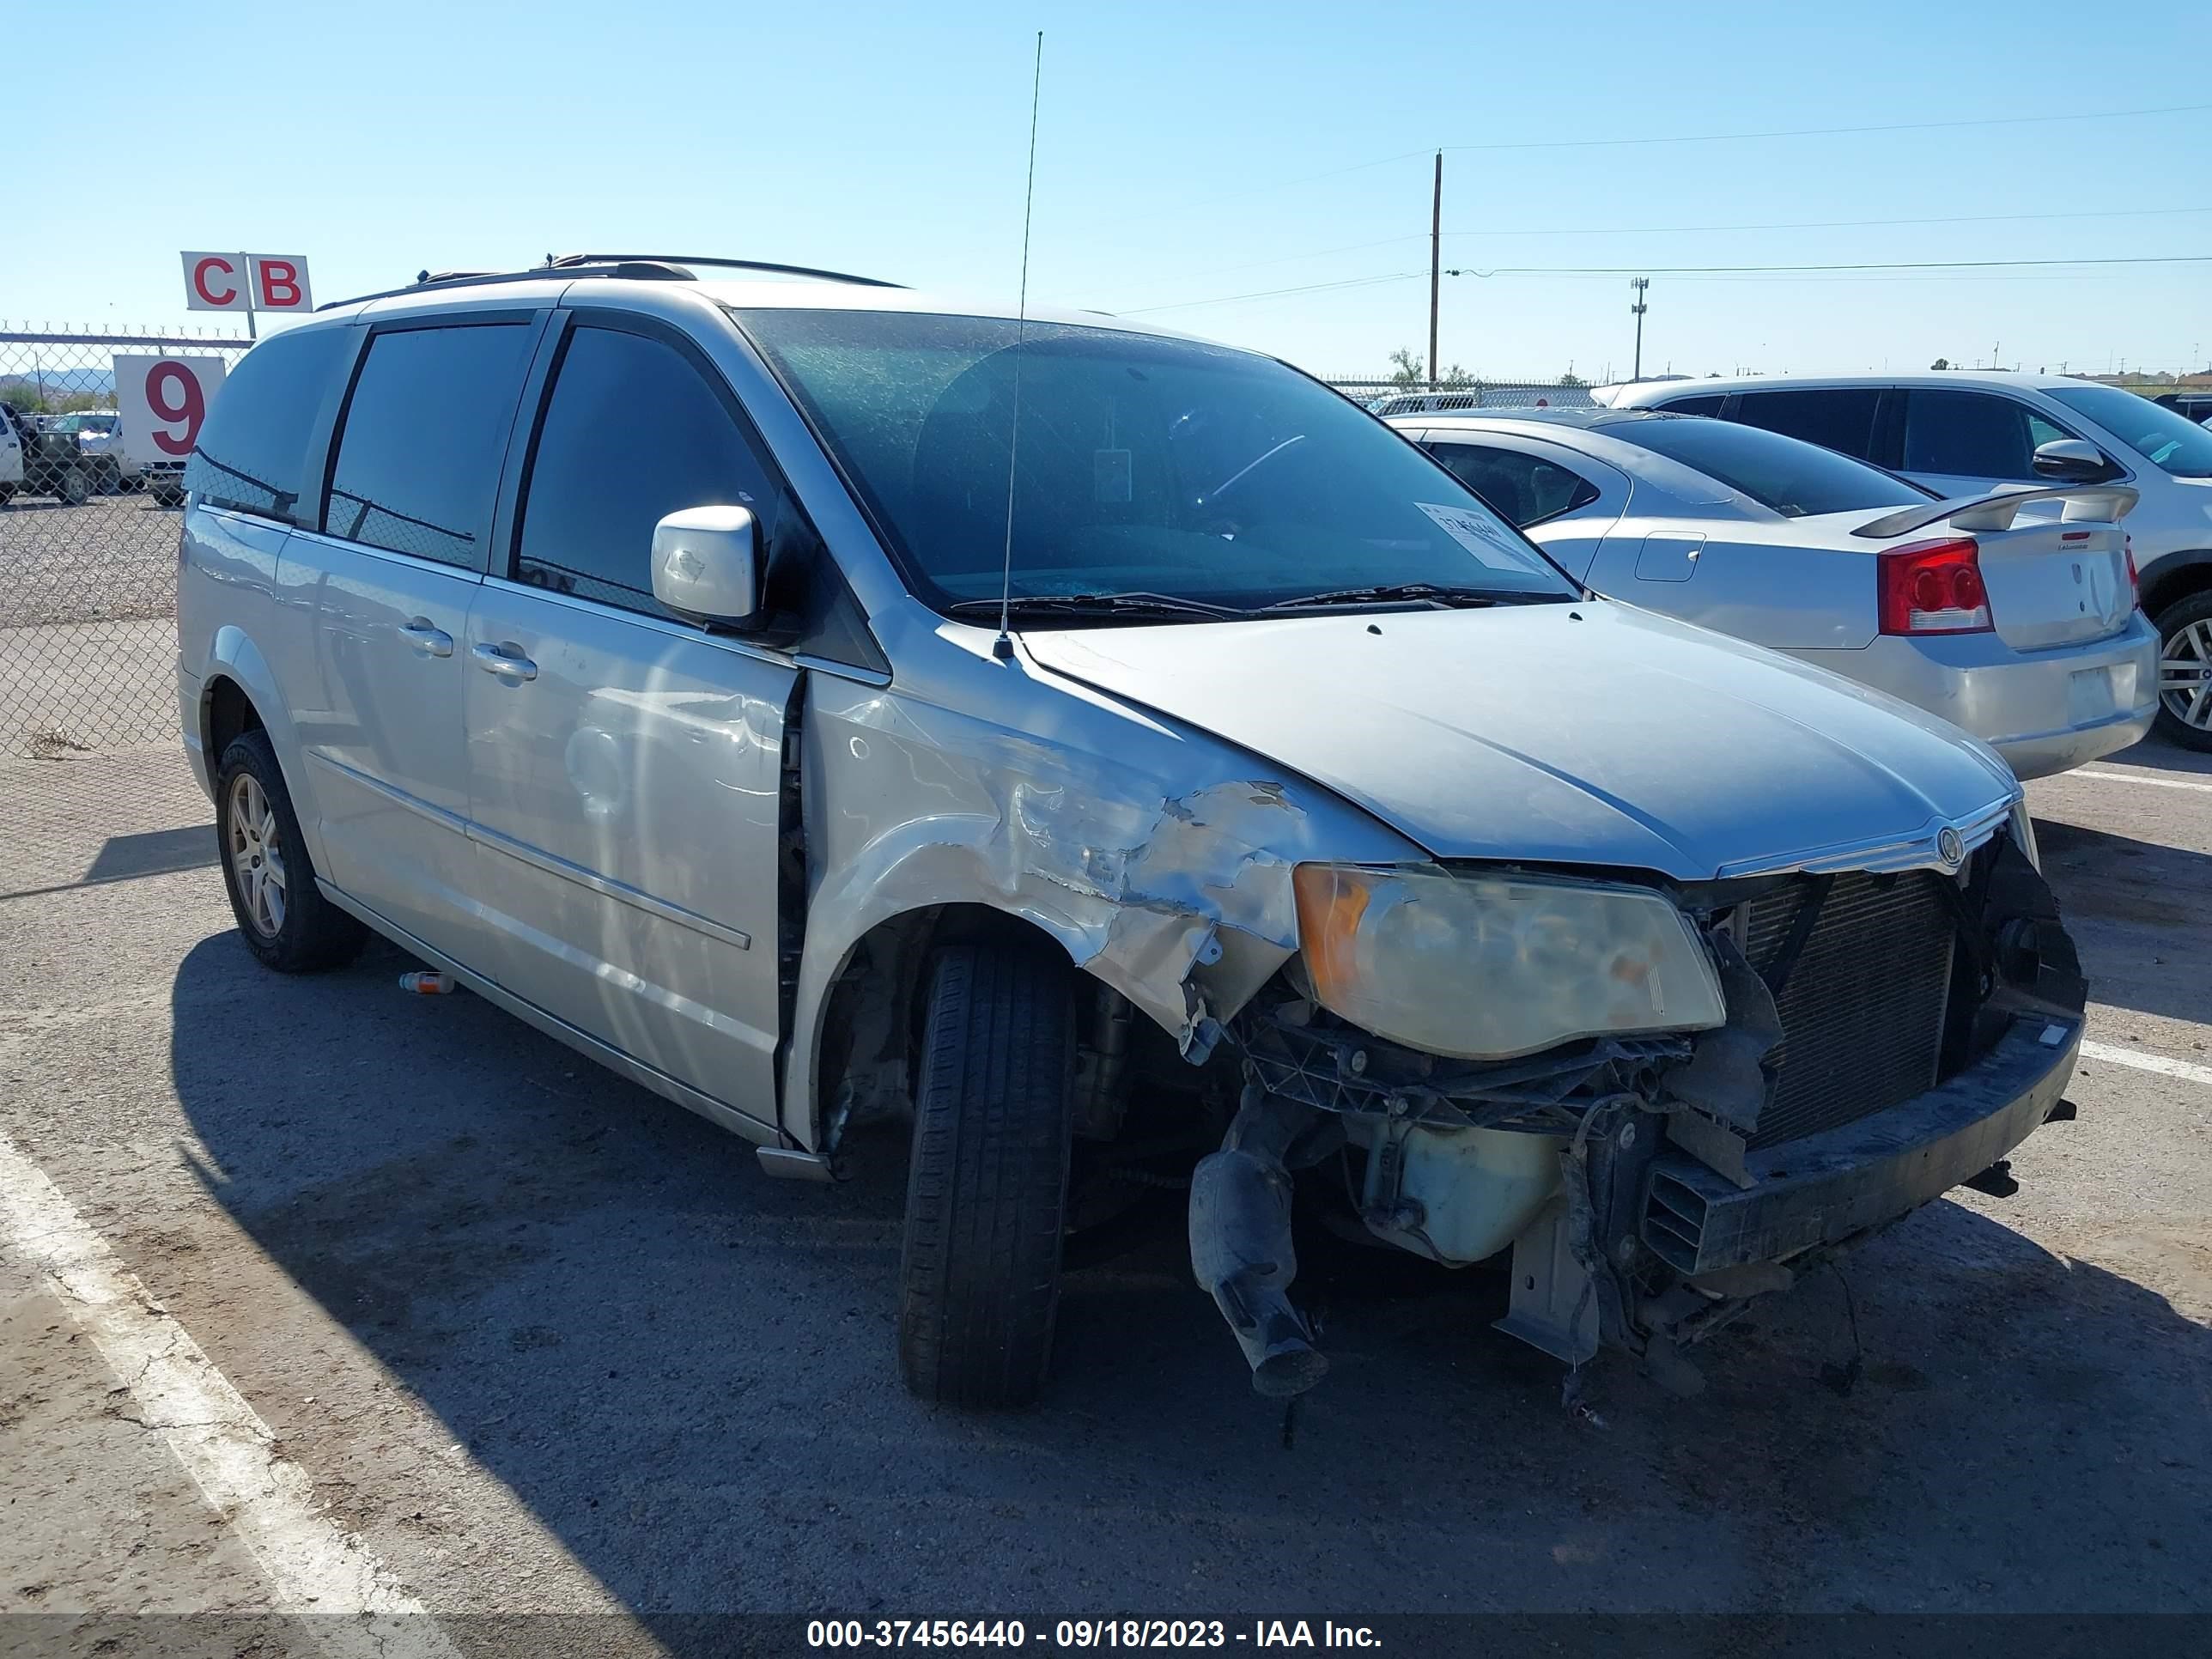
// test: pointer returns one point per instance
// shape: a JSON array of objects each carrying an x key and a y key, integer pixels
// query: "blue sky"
[{"x": 1188, "y": 153}]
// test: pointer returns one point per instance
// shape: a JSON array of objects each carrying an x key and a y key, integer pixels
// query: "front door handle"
[
  {"x": 427, "y": 639},
  {"x": 505, "y": 661}
]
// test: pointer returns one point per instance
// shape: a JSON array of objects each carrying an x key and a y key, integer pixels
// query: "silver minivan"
[
  {"x": 1121, "y": 758},
  {"x": 1962, "y": 434}
]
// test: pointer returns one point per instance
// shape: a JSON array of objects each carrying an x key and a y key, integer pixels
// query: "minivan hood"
[{"x": 1592, "y": 733}]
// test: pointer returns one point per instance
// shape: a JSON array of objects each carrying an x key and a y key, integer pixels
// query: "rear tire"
[
  {"x": 72, "y": 486},
  {"x": 281, "y": 914},
  {"x": 986, "y": 1184},
  {"x": 2185, "y": 644}
]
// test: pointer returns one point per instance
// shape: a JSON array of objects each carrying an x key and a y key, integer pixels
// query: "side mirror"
[
  {"x": 2071, "y": 460},
  {"x": 706, "y": 564}
]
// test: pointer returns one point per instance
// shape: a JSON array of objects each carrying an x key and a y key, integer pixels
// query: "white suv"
[
  {"x": 1301, "y": 814},
  {"x": 1960, "y": 434}
]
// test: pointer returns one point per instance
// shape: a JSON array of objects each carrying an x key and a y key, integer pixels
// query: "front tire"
[
  {"x": 986, "y": 1184},
  {"x": 2184, "y": 672},
  {"x": 72, "y": 487},
  {"x": 281, "y": 914}
]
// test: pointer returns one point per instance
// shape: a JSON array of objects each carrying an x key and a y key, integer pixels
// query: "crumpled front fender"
[{"x": 1160, "y": 860}]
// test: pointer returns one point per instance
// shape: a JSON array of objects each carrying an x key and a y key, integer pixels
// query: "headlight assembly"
[{"x": 1491, "y": 967}]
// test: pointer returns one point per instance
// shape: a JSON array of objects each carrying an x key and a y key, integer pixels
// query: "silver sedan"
[{"x": 2013, "y": 615}]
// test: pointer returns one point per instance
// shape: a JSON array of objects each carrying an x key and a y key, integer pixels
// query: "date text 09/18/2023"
[{"x": 1086, "y": 1633}]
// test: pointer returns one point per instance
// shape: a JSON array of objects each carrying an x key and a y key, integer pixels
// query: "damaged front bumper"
[
  {"x": 1649, "y": 1186},
  {"x": 1829, "y": 1188}
]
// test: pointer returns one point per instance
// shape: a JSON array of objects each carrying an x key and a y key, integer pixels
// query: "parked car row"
[
  {"x": 1130, "y": 762},
  {"x": 74, "y": 456},
  {"x": 2019, "y": 627},
  {"x": 1962, "y": 434}
]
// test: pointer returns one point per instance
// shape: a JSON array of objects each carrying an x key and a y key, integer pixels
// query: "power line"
[
  {"x": 1688, "y": 230},
  {"x": 1733, "y": 271},
  {"x": 1883, "y": 264},
  {"x": 1828, "y": 133}
]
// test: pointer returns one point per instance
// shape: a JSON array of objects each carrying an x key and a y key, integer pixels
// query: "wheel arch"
[
  {"x": 855, "y": 1020},
  {"x": 239, "y": 686},
  {"x": 2172, "y": 577}
]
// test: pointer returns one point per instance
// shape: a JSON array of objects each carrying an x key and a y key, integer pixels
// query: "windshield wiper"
[
  {"x": 1091, "y": 604},
  {"x": 1441, "y": 594}
]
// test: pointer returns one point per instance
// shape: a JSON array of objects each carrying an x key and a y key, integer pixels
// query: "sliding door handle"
[{"x": 506, "y": 661}]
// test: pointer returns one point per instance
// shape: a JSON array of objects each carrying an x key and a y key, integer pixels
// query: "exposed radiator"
[{"x": 1863, "y": 1009}]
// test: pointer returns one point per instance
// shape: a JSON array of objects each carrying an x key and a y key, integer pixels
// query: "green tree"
[
  {"x": 1407, "y": 373},
  {"x": 24, "y": 397},
  {"x": 1940, "y": 364}
]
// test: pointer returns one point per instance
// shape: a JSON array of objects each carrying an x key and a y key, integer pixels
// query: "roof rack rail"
[
  {"x": 569, "y": 260},
  {"x": 634, "y": 266}
]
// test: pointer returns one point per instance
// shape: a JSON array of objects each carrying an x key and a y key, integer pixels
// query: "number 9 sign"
[{"x": 162, "y": 403}]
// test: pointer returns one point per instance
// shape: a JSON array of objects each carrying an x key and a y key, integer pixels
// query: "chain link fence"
[
  {"x": 1398, "y": 397},
  {"x": 89, "y": 523}
]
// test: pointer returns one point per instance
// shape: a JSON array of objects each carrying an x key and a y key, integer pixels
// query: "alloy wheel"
[
  {"x": 2185, "y": 675},
  {"x": 257, "y": 855}
]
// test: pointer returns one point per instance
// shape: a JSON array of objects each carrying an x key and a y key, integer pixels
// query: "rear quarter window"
[
  {"x": 1839, "y": 418},
  {"x": 252, "y": 456},
  {"x": 1796, "y": 479}
]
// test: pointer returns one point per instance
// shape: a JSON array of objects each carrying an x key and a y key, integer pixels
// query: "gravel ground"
[
  {"x": 113, "y": 558},
  {"x": 548, "y": 1345},
  {"x": 87, "y": 650}
]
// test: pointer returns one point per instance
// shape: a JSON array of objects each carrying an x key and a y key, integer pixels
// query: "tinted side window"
[
  {"x": 1709, "y": 405},
  {"x": 1975, "y": 434},
  {"x": 251, "y": 456},
  {"x": 1792, "y": 478},
  {"x": 1521, "y": 489},
  {"x": 1842, "y": 419},
  {"x": 632, "y": 433},
  {"x": 425, "y": 433}
]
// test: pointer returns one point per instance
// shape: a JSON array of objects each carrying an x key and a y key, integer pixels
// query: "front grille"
[{"x": 1863, "y": 1009}]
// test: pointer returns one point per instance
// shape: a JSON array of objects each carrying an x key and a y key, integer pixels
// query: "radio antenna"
[{"x": 1003, "y": 646}]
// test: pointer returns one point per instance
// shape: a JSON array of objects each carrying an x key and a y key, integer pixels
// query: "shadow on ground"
[
  {"x": 685, "y": 1370},
  {"x": 2155, "y": 754},
  {"x": 2138, "y": 911}
]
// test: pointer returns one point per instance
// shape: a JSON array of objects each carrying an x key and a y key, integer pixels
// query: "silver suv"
[
  {"x": 1120, "y": 757},
  {"x": 1963, "y": 433}
]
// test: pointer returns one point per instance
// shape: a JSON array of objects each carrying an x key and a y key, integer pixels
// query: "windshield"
[
  {"x": 1164, "y": 468},
  {"x": 2159, "y": 436},
  {"x": 1794, "y": 478}
]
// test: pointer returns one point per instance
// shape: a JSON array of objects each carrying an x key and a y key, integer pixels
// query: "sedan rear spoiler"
[{"x": 2103, "y": 503}]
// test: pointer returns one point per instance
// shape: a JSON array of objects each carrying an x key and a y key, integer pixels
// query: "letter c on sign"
[{"x": 200, "y": 280}]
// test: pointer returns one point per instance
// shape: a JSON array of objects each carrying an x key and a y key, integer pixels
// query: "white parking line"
[
  {"x": 2155, "y": 783},
  {"x": 2115, "y": 1055},
  {"x": 312, "y": 1566}
]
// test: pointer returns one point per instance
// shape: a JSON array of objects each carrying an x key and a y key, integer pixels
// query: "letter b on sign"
[{"x": 280, "y": 282}]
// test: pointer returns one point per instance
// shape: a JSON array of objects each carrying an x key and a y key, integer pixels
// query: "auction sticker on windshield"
[{"x": 1479, "y": 536}]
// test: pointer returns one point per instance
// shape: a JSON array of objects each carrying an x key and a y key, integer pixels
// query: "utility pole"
[
  {"x": 1639, "y": 284},
  {"x": 1435, "y": 262}
]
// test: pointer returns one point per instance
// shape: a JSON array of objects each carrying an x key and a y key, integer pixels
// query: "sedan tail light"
[{"x": 1933, "y": 587}]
